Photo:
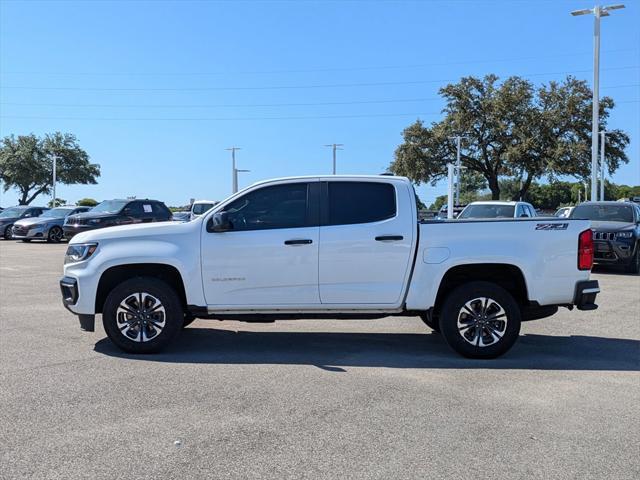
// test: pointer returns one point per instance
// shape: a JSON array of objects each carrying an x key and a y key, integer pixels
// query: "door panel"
[
  {"x": 270, "y": 257},
  {"x": 258, "y": 268},
  {"x": 369, "y": 262}
]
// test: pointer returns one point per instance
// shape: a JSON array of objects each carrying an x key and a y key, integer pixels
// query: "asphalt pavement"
[{"x": 316, "y": 399}]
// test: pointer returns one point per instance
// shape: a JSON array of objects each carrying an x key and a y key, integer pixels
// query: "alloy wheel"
[
  {"x": 482, "y": 322},
  {"x": 140, "y": 317},
  {"x": 55, "y": 234}
]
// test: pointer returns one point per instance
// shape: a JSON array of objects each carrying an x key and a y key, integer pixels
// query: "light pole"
[
  {"x": 55, "y": 165},
  {"x": 450, "y": 174},
  {"x": 602, "y": 139},
  {"x": 234, "y": 170},
  {"x": 598, "y": 12},
  {"x": 335, "y": 147},
  {"x": 458, "y": 140}
]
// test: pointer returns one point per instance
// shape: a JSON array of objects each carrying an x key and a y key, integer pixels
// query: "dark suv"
[
  {"x": 616, "y": 232},
  {"x": 116, "y": 212}
]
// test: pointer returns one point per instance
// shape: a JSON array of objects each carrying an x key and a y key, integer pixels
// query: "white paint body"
[{"x": 344, "y": 269}]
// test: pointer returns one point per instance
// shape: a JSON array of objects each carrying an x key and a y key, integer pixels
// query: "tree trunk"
[
  {"x": 25, "y": 199},
  {"x": 522, "y": 193},
  {"x": 494, "y": 186}
]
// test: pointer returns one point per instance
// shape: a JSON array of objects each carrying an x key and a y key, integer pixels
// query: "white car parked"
[
  {"x": 200, "y": 207},
  {"x": 498, "y": 209},
  {"x": 329, "y": 247}
]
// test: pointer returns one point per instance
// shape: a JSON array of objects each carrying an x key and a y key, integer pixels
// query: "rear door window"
[{"x": 360, "y": 202}]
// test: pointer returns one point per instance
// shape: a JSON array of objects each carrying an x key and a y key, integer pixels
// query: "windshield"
[
  {"x": 56, "y": 213},
  {"x": 200, "y": 208},
  {"x": 109, "y": 206},
  {"x": 604, "y": 213},
  {"x": 12, "y": 212},
  {"x": 488, "y": 211}
]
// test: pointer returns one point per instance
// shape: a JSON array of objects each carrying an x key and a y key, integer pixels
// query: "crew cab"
[{"x": 329, "y": 247}]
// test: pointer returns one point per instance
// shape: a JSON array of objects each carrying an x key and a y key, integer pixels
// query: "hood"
[
  {"x": 91, "y": 215},
  {"x": 27, "y": 222},
  {"x": 610, "y": 226},
  {"x": 8, "y": 220},
  {"x": 138, "y": 230}
]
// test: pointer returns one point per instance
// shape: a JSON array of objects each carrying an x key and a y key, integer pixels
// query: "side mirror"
[{"x": 219, "y": 222}]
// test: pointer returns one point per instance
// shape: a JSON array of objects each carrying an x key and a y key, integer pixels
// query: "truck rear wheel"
[
  {"x": 480, "y": 320},
  {"x": 142, "y": 315}
]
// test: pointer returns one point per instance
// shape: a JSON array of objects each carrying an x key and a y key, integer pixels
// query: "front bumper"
[
  {"x": 70, "y": 295},
  {"x": 72, "y": 230},
  {"x": 585, "y": 295},
  {"x": 29, "y": 233},
  {"x": 613, "y": 252}
]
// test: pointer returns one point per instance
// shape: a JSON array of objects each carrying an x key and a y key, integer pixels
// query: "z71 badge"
[{"x": 552, "y": 226}]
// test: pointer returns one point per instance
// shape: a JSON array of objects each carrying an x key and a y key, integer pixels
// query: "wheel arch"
[
  {"x": 507, "y": 276},
  {"x": 115, "y": 275}
]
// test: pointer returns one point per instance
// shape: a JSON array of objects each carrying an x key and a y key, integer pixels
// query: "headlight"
[
  {"x": 79, "y": 252},
  {"x": 624, "y": 234},
  {"x": 95, "y": 221}
]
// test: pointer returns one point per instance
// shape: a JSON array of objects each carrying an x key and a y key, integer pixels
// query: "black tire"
[
  {"x": 188, "y": 320},
  {"x": 122, "y": 328},
  {"x": 634, "y": 266},
  {"x": 8, "y": 232},
  {"x": 55, "y": 235},
  {"x": 499, "y": 313},
  {"x": 430, "y": 322}
]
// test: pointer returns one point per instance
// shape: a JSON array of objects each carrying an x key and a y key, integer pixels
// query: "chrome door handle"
[{"x": 305, "y": 241}]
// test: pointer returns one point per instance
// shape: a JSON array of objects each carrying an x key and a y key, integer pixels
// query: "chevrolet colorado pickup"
[{"x": 329, "y": 247}]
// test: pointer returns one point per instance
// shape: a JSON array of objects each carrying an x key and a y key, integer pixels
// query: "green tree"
[
  {"x": 87, "y": 202},
  {"x": 511, "y": 130},
  {"x": 58, "y": 202},
  {"x": 26, "y": 163}
]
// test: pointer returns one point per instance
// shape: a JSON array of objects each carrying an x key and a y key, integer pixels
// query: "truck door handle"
[
  {"x": 305, "y": 241},
  {"x": 389, "y": 238}
]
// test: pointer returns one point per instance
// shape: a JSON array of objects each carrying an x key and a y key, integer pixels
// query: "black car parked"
[
  {"x": 116, "y": 212},
  {"x": 616, "y": 232},
  {"x": 9, "y": 216}
]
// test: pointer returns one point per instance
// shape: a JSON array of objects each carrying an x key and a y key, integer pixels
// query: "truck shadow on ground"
[{"x": 335, "y": 351}]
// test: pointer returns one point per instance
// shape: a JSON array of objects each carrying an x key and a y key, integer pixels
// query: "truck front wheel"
[
  {"x": 480, "y": 320},
  {"x": 142, "y": 315}
]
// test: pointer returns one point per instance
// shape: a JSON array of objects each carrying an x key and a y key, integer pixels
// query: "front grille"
[
  {"x": 604, "y": 236},
  {"x": 20, "y": 230}
]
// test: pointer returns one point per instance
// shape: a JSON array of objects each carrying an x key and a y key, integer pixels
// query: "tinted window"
[
  {"x": 160, "y": 210},
  {"x": 279, "y": 206},
  {"x": 134, "y": 209},
  {"x": 603, "y": 213},
  {"x": 360, "y": 202},
  {"x": 488, "y": 211},
  {"x": 110, "y": 206}
]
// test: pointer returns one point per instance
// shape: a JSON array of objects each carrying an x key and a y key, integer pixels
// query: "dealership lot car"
[
  {"x": 498, "y": 209},
  {"x": 345, "y": 246},
  {"x": 12, "y": 214},
  {"x": 616, "y": 232},
  {"x": 116, "y": 212},
  {"x": 47, "y": 226}
]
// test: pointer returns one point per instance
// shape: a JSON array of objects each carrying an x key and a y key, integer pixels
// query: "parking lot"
[{"x": 313, "y": 399}]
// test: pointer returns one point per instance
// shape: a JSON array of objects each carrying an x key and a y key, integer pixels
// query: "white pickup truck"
[{"x": 329, "y": 247}]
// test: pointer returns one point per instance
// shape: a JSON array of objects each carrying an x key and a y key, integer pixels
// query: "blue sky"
[{"x": 155, "y": 91}]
